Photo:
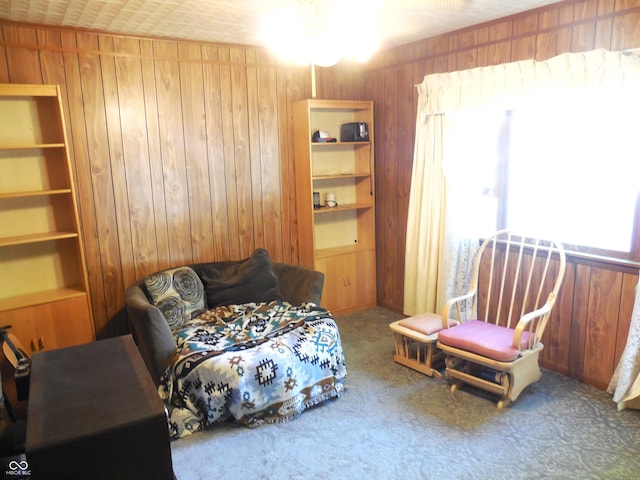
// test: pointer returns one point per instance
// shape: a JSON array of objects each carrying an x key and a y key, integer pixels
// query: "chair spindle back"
[{"x": 518, "y": 274}]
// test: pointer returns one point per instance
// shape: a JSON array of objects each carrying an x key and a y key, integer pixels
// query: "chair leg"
[
  {"x": 505, "y": 379},
  {"x": 455, "y": 385},
  {"x": 453, "y": 363}
]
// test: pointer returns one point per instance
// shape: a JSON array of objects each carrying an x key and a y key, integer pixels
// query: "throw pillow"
[
  {"x": 178, "y": 293},
  {"x": 250, "y": 280}
]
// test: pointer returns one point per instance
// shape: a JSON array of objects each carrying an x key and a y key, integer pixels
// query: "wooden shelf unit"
[
  {"x": 338, "y": 241},
  {"x": 44, "y": 292}
]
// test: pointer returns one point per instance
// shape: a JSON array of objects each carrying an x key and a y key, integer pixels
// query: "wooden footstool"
[{"x": 416, "y": 339}]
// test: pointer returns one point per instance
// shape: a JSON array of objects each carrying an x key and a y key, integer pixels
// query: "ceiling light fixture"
[{"x": 322, "y": 32}]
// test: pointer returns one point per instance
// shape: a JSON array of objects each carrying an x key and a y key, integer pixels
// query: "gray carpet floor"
[{"x": 395, "y": 423}]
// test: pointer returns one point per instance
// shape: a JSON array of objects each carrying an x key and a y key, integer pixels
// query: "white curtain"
[
  {"x": 625, "y": 383},
  {"x": 425, "y": 230},
  {"x": 567, "y": 77},
  {"x": 437, "y": 251}
]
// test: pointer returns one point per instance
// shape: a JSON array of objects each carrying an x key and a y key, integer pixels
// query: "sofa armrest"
[
  {"x": 150, "y": 330},
  {"x": 299, "y": 284}
]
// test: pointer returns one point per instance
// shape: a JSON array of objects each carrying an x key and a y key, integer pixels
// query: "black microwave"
[{"x": 354, "y": 132}]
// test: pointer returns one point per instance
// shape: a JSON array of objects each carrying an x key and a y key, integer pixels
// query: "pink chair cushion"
[
  {"x": 485, "y": 339},
  {"x": 426, "y": 323}
]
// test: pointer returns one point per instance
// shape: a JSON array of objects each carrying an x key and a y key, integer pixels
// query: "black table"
[{"x": 94, "y": 413}]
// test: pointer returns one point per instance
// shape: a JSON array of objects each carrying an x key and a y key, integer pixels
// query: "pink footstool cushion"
[{"x": 426, "y": 323}]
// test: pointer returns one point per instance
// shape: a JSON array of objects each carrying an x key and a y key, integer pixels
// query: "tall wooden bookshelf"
[
  {"x": 44, "y": 292},
  {"x": 338, "y": 241}
]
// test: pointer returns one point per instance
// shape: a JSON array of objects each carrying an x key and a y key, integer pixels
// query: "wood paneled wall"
[
  {"x": 183, "y": 151},
  {"x": 391, "y": 77},
  {"x": 595, "y": 309}
]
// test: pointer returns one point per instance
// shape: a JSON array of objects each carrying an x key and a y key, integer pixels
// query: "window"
[{"x": 573, "y": 175}]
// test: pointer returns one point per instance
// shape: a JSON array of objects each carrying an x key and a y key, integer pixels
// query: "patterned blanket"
[{"x": 256, "y": 362}]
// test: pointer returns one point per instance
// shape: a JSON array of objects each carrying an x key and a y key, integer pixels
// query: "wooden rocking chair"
[{"x": 497, "y": 350}]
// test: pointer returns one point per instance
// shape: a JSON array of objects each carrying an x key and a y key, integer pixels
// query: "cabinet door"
[
  {"x": 23, "y": 326},
  {"x": 51, "y": 325},
  {"x": 349, "y": 282}
]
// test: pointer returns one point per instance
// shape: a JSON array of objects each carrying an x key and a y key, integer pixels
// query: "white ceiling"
[{"x": 237, "y": 21}]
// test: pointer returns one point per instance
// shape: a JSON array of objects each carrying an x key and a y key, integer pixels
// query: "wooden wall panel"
[
  {"x": 120, "y": 231},
  {"x": 100, "y": 197},
  {"x": 172, "y": 145},
  {"x": 228, "y": 154},
  {"x": 4, "y": 71},
  {"x": 241, "y": 156},
  {"x": 555, "y": 355},
  {"x": 158, "y": 238},
  {"x": 601, "y": 325},
  {"x": 291, "y": 85},
  {"x": 387, "y": 175},
  {"x": 216, "y": 172},
  {"x": 626, "y": 29},
  {"x": 195, "y": 151},
  {"x": 23, "y": 63},
  {"x": 137, "y": 187}
]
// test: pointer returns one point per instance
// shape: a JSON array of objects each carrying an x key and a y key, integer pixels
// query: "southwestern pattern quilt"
[{"x": 256, "y": 362}]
